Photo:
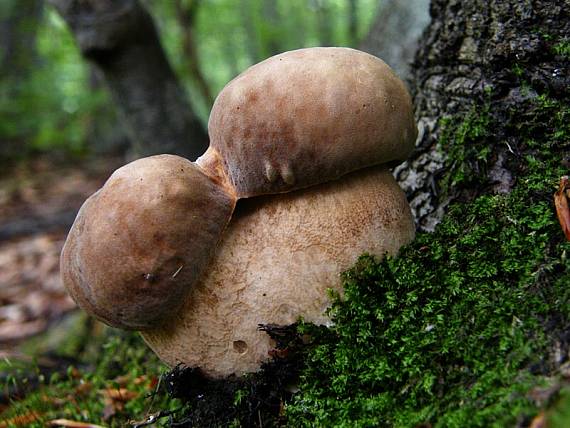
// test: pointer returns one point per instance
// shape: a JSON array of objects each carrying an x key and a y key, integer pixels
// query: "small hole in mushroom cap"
[{"x": 240, "y": 346}]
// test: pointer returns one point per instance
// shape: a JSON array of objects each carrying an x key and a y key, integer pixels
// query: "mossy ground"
[{"x": 111, "y": 386}]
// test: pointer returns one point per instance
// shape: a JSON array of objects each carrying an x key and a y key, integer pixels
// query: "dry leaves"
[
  {"x": 31, "y": 292},
  {"x": 21, "y": 420},
  {"x": 116, "y": 398},
  {"x": 539, "y": 421},
  {"x": 561, "y": 198},
  {"x": 32, "y": 198}
]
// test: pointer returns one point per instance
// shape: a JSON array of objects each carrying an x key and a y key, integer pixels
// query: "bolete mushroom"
[{"x": 155, "y": 249}]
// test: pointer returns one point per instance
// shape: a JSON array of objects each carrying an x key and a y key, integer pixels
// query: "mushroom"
[
  {"x": 308, "y": 136},
  {"x": 139, "y": 241}
]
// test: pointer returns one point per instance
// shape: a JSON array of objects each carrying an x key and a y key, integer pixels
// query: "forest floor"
[{"x": 38, "y": 202}]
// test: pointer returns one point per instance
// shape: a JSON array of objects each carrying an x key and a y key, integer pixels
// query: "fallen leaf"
[
  {"x": 539, "y": 421},
  {"x": 119, "y": 394},
  {"x": 20, "y": 421},
  {"x": 561, "y": 202},
  {"x": 115, "y": 399},
  {"x": 83, "y": 388},
  {"x": 73, "y": 424}
]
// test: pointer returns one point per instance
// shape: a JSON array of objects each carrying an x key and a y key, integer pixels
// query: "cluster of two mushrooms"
[{"x": 303, "y": 140}]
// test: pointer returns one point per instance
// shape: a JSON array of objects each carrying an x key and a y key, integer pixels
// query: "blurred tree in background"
[{"x": 51, "y": 100}]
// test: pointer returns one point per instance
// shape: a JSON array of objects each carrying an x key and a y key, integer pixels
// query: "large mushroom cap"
[
  {"x": 139, "y": 243},
  {"x": 275, "y": 263},
  {"x": 306, "y": 117}
]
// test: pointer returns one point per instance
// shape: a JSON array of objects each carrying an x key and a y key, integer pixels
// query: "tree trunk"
[
  {"x": 120, "y": 38},
  {"x": 353, "y": 22},
  {"x": 395, "y": 32},
  {"x": 272, "y": 20},
  {"x": 186, "y": 14},
  {"x": 481, "y": 55},
  {"x": 18, "y": 27},
  {"x": 251, "y": 41},
  {"x": 19, "y": 21},
  {"x": 324, "y": 22}
]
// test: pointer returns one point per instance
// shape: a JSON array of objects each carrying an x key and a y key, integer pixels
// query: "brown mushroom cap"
[
  {"x": 140, "y": 242},
  {"x": 274, "y": 264},
  {"x": 306, "y": 117}
]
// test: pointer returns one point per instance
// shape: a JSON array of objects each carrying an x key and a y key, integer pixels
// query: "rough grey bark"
[
  {"x": 478, "y": 52},
  {"x": 120, "y": 38},
  {"x": 395, "y": 33}
]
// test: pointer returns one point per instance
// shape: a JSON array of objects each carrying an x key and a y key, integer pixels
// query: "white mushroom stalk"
[{"x": 307, "y": 136}]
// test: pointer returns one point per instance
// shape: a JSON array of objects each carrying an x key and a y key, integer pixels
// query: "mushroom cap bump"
[
  {"x": 308, "y": 116},
  {"x": 274, "y": 264},
  {"x": 142, "y": 239}
]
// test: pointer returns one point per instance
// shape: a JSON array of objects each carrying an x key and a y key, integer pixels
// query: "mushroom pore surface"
[
  {"x": 141, "y": 241},
  {"x": 306, "y": 117},
  {"x": 275, "y": 263}
]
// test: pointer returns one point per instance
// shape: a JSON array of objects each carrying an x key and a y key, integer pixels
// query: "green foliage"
[
  {"x": 50, "y": 103},
  {"x": 232, "y": 35},
  {"x": 559, "y": 415},
  {"x": 562, "y": 48},
  {"x": 457, "y": 329},
  {"x": 466, "y": 145}
]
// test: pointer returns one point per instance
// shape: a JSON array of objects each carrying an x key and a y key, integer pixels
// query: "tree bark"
[
  {"x": 395, "y": 33},
  {"x": 120, "y": 38},
  {"x": 473, "y": 54}
]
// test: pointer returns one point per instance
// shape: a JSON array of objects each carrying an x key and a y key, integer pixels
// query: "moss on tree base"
[{"x": 460, "y": 327}]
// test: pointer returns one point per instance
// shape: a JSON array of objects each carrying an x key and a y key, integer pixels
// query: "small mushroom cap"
[
  {"x": 138, "y": 244},
  {"x": 309, "y": 116},
  {"x": 275, "y": 263}
]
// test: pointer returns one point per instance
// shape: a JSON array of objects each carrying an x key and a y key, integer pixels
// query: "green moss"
[
  {"x": 559, "y": 415},
  {"x": 562, "y": 48},
  {"x": 457, "y": 329},
  {"x": 465, "y": 144}
]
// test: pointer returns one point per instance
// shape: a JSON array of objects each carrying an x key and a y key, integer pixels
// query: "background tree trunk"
[
  {"x": 353, "y": 22},
  {"x": 18, "y": 55},
  {"x": 18, "y": 24},
  {"x": 476, "y": 55},
  {"x": 120, "y": 38},
  {"x": 186, "y": 14},
  {"x": 396, "y": 31},
  {"x": 324, "y": 22}
]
